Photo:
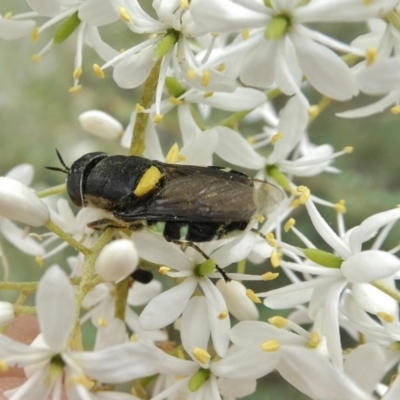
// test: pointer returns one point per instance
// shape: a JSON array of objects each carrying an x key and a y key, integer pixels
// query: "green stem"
[
  {"x": 20, "y": 286},
  {"x": 122, "y": 289},
  {"x": 146, "y": 101},
  {"x": 85, "y": 284},
  {"x": 52, "y": 191},
  {"x": 392, "y": 292},
  {"x": 51, "y": 226},
  {"x": 23, "y": 310}
]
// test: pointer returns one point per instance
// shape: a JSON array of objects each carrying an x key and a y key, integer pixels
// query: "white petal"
[
  {"x": 359, "y": 368},
  {"x": 256, "y": 66},
  {"x": 132, "y": 320},
  {"x": 246, "y": 363},
  {"x": 117, "y": 260},
  {"x": 239, "y": 305},
  {"x": 292, "y": 125},
  {"x": 121, "y": 363},
  {"x": 200, "y": 149},
  {"x": 134, "y": 69},
  {"x": 97, "y": 12},
  {"x": 217, "y": 316},
  {"x": 165, "y": 308},
  {"x": 313, "y": 375},
  {"x": 47, "y": 8},
  {"x": 235, "y": 149},
  {"x": 195, "y": 331},
  {"x": 370, "y": 265},
  {"x": 236, "y": 387},
  {"x": 393, "y": 392},
  {"x": 141, "y": 293},
  {"x": 167, "y": 253},
  {"x": 241, "y": 99},
  {"x": 326, "y": 232},
  {"x": 325, "y": 70},
  {"x": 55, "y": 308},
  {"x": 22, "y": 173},
  {"x": 19, "y": 238},
  {"x": 225, "y": 15},
  {"x": 369, "y": 227},
  {"x": 373, "y": 300},
  {"x": 19, "y": 203},
  {"x": 113, "y": 334},
  {"x": 12, "y": 29}
]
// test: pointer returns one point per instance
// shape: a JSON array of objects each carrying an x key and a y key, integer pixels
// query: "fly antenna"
[{"x": 65, "y": 171}]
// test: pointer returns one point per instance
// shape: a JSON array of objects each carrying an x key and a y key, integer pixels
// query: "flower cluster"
[{"x": 198, "y": 330}]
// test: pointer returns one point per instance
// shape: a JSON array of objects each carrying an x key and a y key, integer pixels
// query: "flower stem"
[
  {"x": 51, "y": 226},
  {"x": 122, "y": 289},
  {"x": 146, "y": 101},
  {"x": 393, "y": 293},
  {"x": 52, "y": 191}
]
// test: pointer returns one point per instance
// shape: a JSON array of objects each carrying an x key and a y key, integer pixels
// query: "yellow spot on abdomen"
[{"x": 148, "y": 181}]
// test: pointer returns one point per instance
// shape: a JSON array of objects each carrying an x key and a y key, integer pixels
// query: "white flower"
[
  {"x": 259, "y": 348},
  {"x": 6, "y": 313},
  {"x": 47, "y": 363},
  {"x": 117, "y": 260},
  {"x": 101, "y": 124},
  {"x": 165, "y": 308},
  {"x": 19, "y": 203},
  {"x": 200, "y": 381},
  {"x": 277, "y": 32},
  {"x": 325, "y": 289},
  {"x": 15, "y": 27}
]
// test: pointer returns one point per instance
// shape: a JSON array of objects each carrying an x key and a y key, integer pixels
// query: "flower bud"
[
  {"x": 100, "y": 124},
  {"x": 19, "y": 203},
  {"x": 117, "y": 260}
]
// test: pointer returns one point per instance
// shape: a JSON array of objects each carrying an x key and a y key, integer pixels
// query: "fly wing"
[{"x": 196, "y": 198}]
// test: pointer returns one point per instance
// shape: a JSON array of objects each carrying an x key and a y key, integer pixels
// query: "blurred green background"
[{"x": 37, "y": 115}]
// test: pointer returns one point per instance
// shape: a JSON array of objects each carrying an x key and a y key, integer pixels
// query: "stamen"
[
  {"x": 278, "y": 321},
  {"x": 371, "y": 54},
  {"x": 340, "y": 206},
  {"x": 35, "y": 34},
  {"x": 224, "y": 314},
  {"x": 314, "y": 339},
  {"x": 201, "y": 355},
  {"x": 245, "y": 34},
  {"x": 158, "y": 118},
  {"x": 252, "y": 296},
  {"x": 98, "y": 71},
  {"x": 123, "y": 13},
  {"x": 270, "y": 276},
  {"x": 164, "y": 270},
  {"x": 276, "y": 137},
  {"x": 75, "y": 89},
  {"x": 385, "y": 316},
  {"x": 205, "y": 78},
  {"x": 289, "y": 224},
  {"x": 270, "y": 345},
  {"x": 77, "y": 73}
]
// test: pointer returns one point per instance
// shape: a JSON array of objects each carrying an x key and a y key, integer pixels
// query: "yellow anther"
[
  {"x": 278, "y": 321},
  {"x": 370, "y": 55},
  {"x": 252, "y": 296},
  {"x": 3, "y": 366},
  {"x": 201, "y": 355},
  {"x": 35, "y": 58},
  {"x": 98, "y": 71},
  {"x": 224, "y": 314},
  {"x": 395, "y": 110},
  {"x": 173, "y": 154},
  {"x": 275, "y": 259},
  {"x": 270, "y": 276},
  {"x": 134, "y": 392},
  {"x": 251, "y": 141},
  {"x": 302, "y": 193},
  {"x": 35, "y": 34},
  {"x": 205, "y": 78},
  {"x": 289, "y": 224},
  {"x": 148, "y": 181},
  {"x": 314, "y": 339},
  {"x": 340, "y": 206},
  {"x": 77, "y": 73},
  {"x": 75, "y": 89},
  {"x": 39, "y": 261},
  {"x": 101, "y": 321},
  {"x": 276, "y": 137},
  {"x": 270, "y": 238},
  {"x": 270, "y": 345},
  {"x": 313, "y": 110},
  {"x": 158, "y": 118},
  {"x": 245, "y": 34},
  {"x": 164, "y": 270},
  {"x": 134, "y": 338},
  {"x": 123, "y": 13},
  {"x": 367, "y": 2},
  {"x": 185, "y": 4},
  {"x": 121, "y": 50},
  {"x": 385, "y": 316},
  {"x": 139, "y": 108},
  {"x": 260, "y": 218},
  {"x": 191, "y": 73},
  {"x": 207, "y": 94},
  {"x": 175, "y": 101},
  {"x": 82, "y": 380},
  {"x": 8, "y": 15},
  {"x": 348, "y": 149},
  {"x": 221, "y": 67}
]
